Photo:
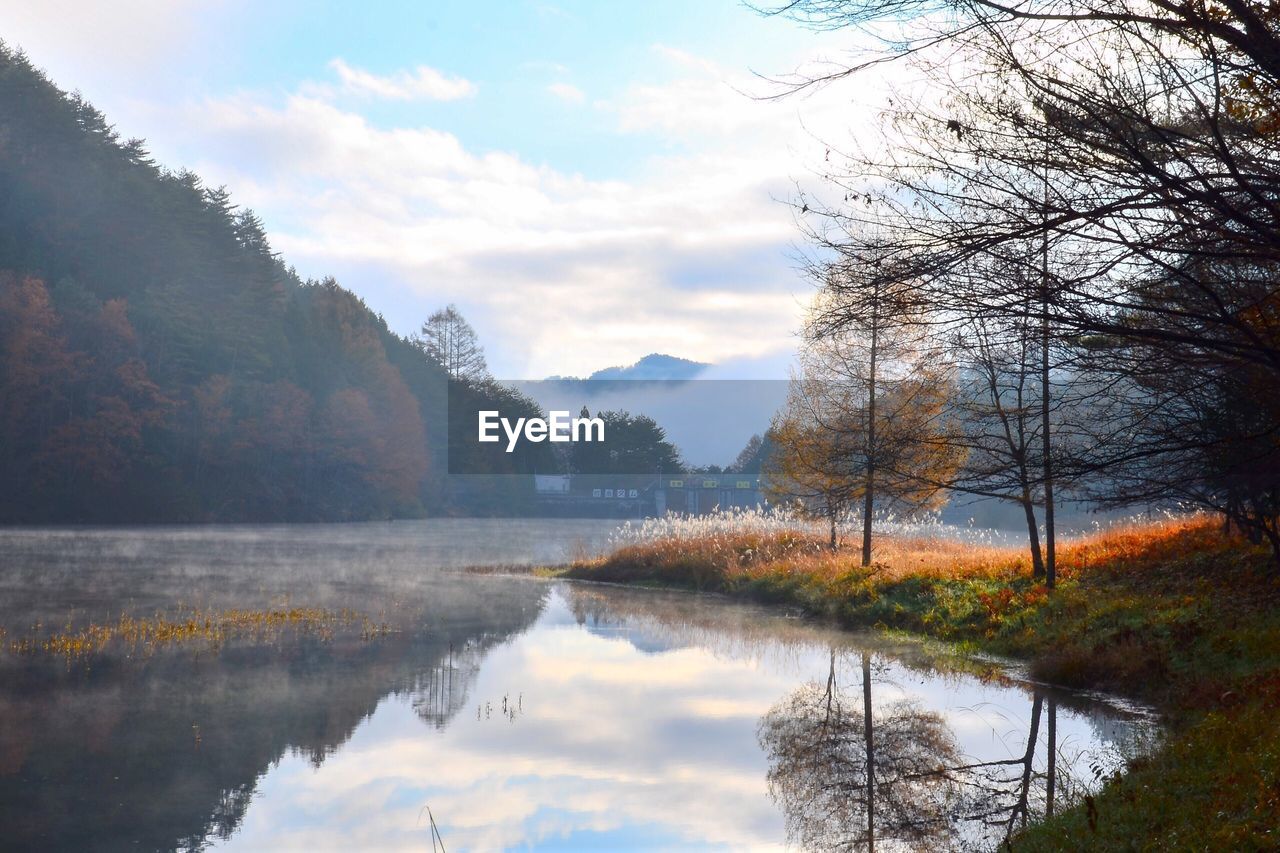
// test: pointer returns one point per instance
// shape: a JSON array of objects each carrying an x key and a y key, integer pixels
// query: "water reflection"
[
  {"x": 166, "y": 752},
  {"x": 849, "y": 774},
  {"x": 846, "y": 773},
  {"x": 519, "y": 713}
]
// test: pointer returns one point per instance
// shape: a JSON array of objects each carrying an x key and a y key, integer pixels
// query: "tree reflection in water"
[{"x": 848, "y": 774}]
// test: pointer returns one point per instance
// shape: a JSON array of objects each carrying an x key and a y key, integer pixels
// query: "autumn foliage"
[
  {"x": 159, "y": 362},
  {"x": 1135, "y": 601}
]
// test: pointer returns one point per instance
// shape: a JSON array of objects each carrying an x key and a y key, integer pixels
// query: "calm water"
[{"x": 508, "y": 711}]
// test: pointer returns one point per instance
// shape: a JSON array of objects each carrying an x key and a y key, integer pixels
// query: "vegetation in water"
[{"x": 202, "y": 630}]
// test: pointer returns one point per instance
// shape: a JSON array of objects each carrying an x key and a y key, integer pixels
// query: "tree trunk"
[
  {"x": 1053, "y": 758},
  {"x": 866, "y": 524},
  {"x": 871, "y": 753},
  {"x": 868, "y": 498},
  {"x": 1033, "y": 535},
  {"x": 1019, "y": 813},
  {"x": 1050, "y": 569}
]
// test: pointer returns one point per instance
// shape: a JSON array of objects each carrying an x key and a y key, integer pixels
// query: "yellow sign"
[
  {"x": 708, "y": 484},
  {"x": 676, "y": 484},
  {"x": 744, "y": 484}
]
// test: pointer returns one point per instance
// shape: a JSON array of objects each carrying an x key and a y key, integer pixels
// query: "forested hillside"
[{"x": 158, "y": 362}]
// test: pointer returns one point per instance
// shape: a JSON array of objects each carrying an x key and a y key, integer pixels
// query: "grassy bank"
[{"x": 1175, "y": 613}]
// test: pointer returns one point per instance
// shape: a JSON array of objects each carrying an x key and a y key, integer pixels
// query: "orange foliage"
[
  {"x": 35, "y": 365},
  {"x": 744, "y": 556},
  {"x": 73, "y": 416}
]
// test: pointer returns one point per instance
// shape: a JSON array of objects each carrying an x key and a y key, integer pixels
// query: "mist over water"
[{"x": 510, "y": 710}]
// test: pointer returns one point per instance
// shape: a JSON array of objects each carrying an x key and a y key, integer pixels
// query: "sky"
[{"x": 587, "y": 182}]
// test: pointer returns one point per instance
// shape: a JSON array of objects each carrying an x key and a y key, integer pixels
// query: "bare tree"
[
  {"x": 816, "y": 450},
  {"x": 1008, "y": 395},
  {"x": 451, "y": 342},
  {"x": 999, "y": 424},
  {"x": 872, "y": 389},
  {"x": 1135, "y": 144}
]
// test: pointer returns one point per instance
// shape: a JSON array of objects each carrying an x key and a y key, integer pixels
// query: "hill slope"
[
  {"x": 655, "y": 365},
  {"x": 158, "y": 361}
]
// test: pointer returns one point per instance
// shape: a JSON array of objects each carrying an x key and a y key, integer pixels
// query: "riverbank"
[{"x": 1174, "y": 613}]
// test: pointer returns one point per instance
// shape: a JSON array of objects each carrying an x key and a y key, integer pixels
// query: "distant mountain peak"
[{"x": 655, "y": 365}]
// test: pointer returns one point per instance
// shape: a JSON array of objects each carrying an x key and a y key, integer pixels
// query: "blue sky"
[{"x": 589, "y": 182}]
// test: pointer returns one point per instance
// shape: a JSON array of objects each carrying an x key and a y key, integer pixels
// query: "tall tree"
[
  {"x": 450, "y": 340},
  {"x": 752, "y": 456},
  {"x": 1006, "y": 394},
  {"x": 1134, "y": 142},
  {"x": 633, "y": 444},
  {"x": 814, "y": 463},
  {"x": 869, "y": 408}
]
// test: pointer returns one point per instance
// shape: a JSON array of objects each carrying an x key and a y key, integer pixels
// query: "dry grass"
[
  {"x": 200, "y": 629},
  {"x": 729, "y": 555},
  {"x": 1160, "y": 608}
]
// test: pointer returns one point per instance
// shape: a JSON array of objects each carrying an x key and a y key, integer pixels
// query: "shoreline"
[{"x": 1174, "y": 616}]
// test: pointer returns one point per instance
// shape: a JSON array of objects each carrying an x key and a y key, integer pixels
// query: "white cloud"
[
  {"x": 688, "y": 250},
  {"x": 422, "y": 83},
  {"x": 105, "y": 37},
  {"x": 560, "y": 273},
  {"x": 646, "y": 727},
  {"x": 113, "y": 52},
  {"x": 708, "y": 102},
  {"x": 567, "y": 92},
  {"x": 692, "y": 254},
  {"x": 576, "y": 760}
]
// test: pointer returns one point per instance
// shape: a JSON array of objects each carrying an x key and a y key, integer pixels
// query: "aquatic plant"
[{"x": 189, "y": 628}]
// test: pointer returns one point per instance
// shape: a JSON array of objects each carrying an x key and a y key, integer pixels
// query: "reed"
[{"x": 189, "y": 628}]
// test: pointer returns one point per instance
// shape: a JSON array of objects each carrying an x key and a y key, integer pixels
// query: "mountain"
[
  {"x": 654, "y": 366},
  {"x": 160, "y": 362}
]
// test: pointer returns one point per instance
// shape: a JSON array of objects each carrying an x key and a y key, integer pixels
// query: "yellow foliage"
[{"x": 206, "y": 629}]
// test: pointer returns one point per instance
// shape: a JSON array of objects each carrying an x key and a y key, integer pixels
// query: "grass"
[
  {"x": 1173, "y": 612},
  {"x": 208, "y": 630}
]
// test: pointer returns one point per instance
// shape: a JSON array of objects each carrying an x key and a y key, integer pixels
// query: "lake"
[{"x": 399, "y": 701}]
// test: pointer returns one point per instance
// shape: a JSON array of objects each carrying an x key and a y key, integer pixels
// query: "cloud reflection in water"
[{"x": 632, "y": 721}]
